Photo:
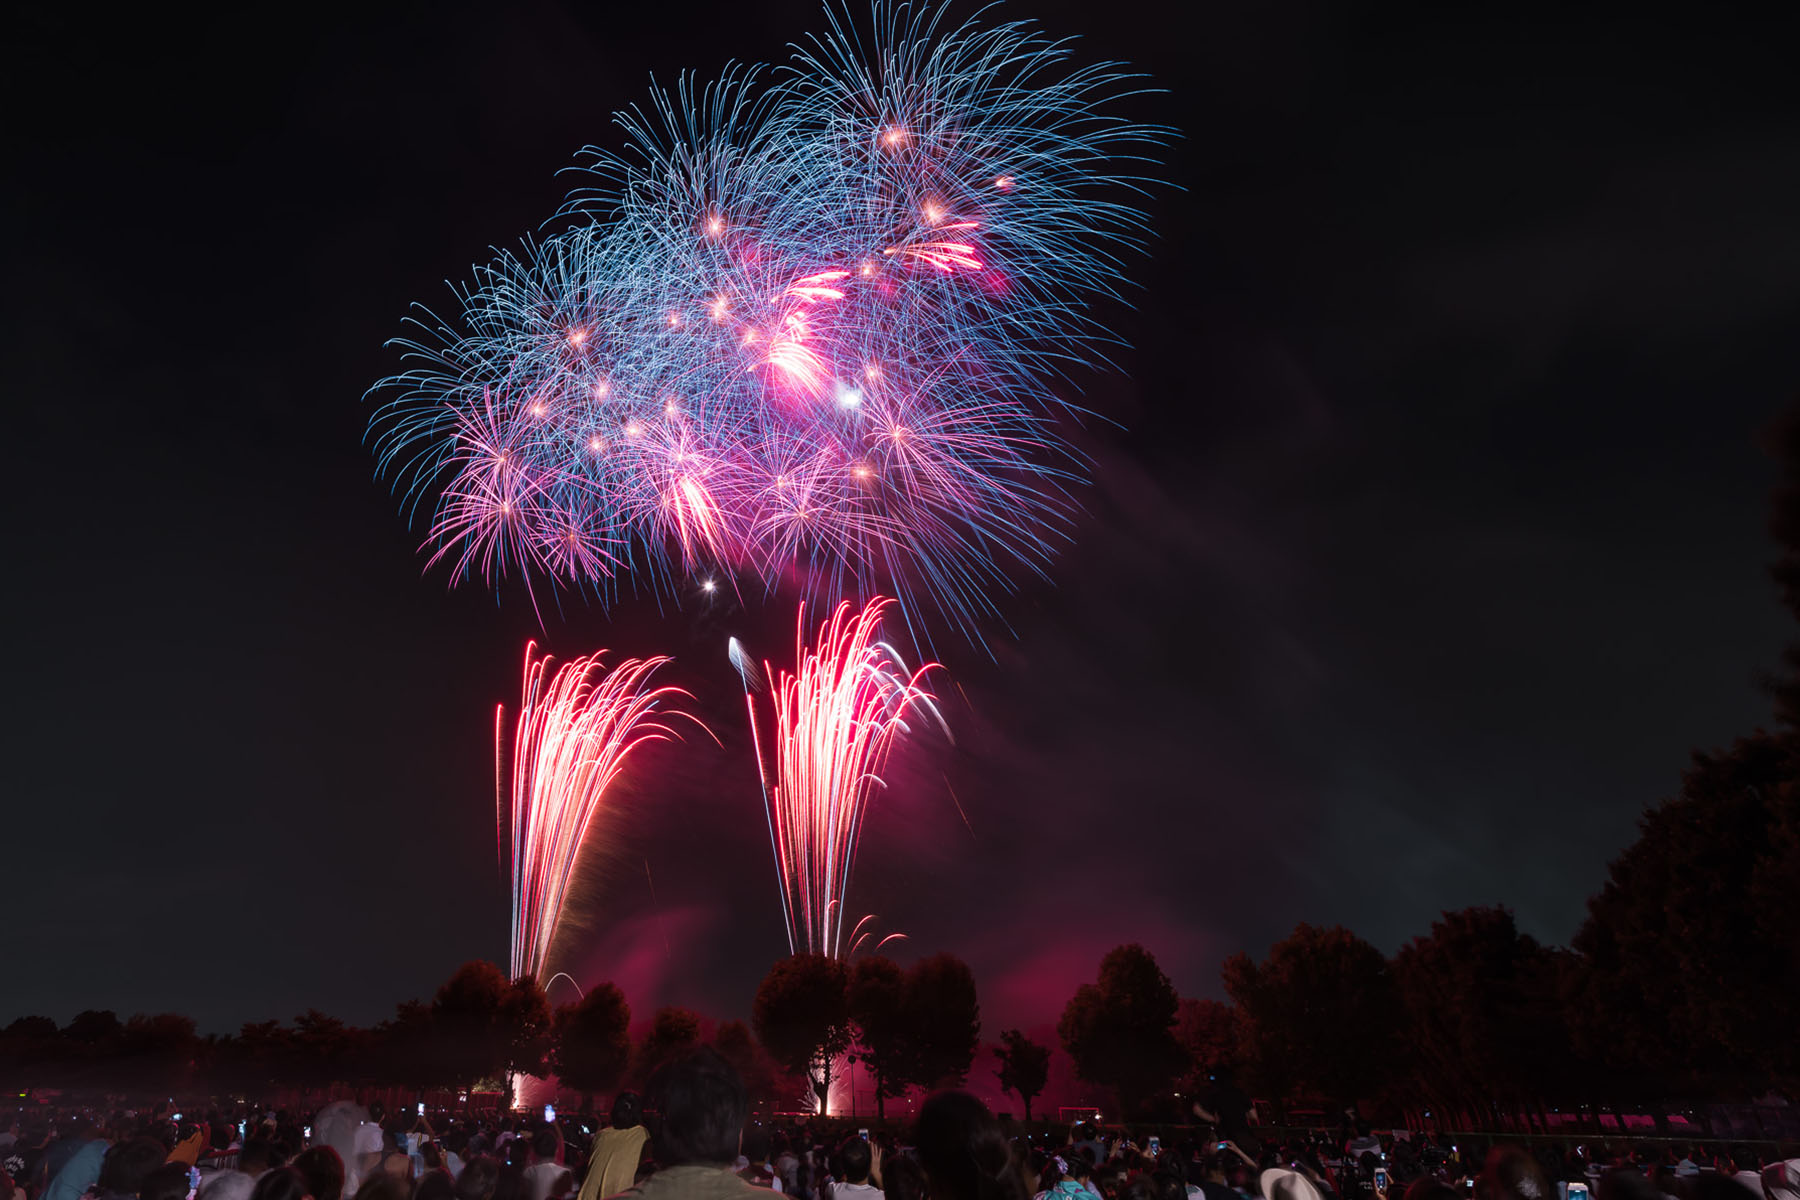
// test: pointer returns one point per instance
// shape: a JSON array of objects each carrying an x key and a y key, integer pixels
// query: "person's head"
[
  {"x": 510, "y": 1183},
  {"x": 1512, "y": 1174},
  {"x": 1430, "y": 1187},
  {"x": 167, "y": 1182},
  {"x": 280, "y": 1183},
  {"x": 226, "y": 1185},
  {"x": 323, "y": 1172},
  {"x": 478, "y": 1177},
  {"x": 964, "y": 1154},
  {"x": 258, "y": 1155},
  {"x": 545, "y": 1143},
  {"x": 627, "y": 1110},
  {"x": 384, "y": 1185},
  {"x": 1081, "y": 1168},
  {"x": 435, "y": 1185},
  {"x": 703, "y": 1107},
  {"x": 902, "y": 1178},
  {"x": 123, "y": 1169},
  {"x": 853, "y": 1160}
]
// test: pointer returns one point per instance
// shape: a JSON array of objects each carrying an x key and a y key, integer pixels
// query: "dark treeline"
[{"x": 1681, "y": 985}]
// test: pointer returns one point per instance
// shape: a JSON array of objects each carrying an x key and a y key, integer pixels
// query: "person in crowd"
[
  {"x": 613, "y": 1162},
  {"x": 902, "y": 1178},
  {"x": 280, "y": 1183},
  {"x": 323, "y": 1172},
  {"x": 854, "y": 1162},
  {"x": 435, "y": 1185},
  {"x": 703, "y": 1107},
  {"x": 226, "y": 1185},
  {"x": 72, "y": 1173},
  {"x": 126, "y": 1164},
  {"x": 478, "y": 1179},
  {"x": 170, "y": 1181},
  {"x": 964, "y": 1153},
  {"x": 547, "y": 1178},
  {"x": 1781, "y": 1180},
  {"x": 385, "y": 1185},
  {"x": 258, "y": 1155},
  {"x": 1739, "y": 1165}
]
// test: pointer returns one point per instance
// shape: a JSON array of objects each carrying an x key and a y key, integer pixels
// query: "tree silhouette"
[
  {"x": 737, "y": 1046},
  {"x": 486, "y": 1028},
  {"x": 1319, "y": 1012},
  {"x": 802, "y": 1018},
  {"x": 877, "y": 1004},
  {"x": 672, "y": 1030},
  {"x": 1024, "y": 1067},
  {"x": 1212, "y": 1039},
  {"x": 1693, "y": 932},
  {"x": 591, "y": 1045},
  {"x": 944, "y": 1016},
  {"x": 1483, "y": 1021},
  {"x": 1118, "y": 1030}
]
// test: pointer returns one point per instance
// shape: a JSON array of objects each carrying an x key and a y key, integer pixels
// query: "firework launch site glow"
[
  {"x": 832, "y": 724},
  {"x": 804, "y": 330},
  {"x": 573, "y": 733}
]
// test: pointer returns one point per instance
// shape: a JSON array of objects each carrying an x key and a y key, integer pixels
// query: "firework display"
[
  {"x": 574, "y": 731},
  {"x": 803, "y": 331},
  {"x": 833, "y": 723}
]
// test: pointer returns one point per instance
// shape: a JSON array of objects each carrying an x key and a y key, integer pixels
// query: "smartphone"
[
  {"x": 242, "y": 1126},
  {"x": 863, "y": 1134},
  {"x": 549, "y": 1112},
  {"x": 1578, "y": 1191},
  {"x": 176, "y": 1117},
  {"x": 1381, "y": 1179},
  {"x": 1154, "y": 1146},
  {"x": 1219, "y": 1146},
  {"x": 306, "y": 1132},
  {"x": 421, "y": 1108}
]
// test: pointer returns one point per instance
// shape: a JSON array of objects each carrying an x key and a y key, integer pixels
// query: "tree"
[
  {"x": 1024, "y": 1067},
  {"x": 1117, "y": 1030},
  {"x": 802, "y": 1018},
  {"x": 672, "y": 1030},
  {"x": 944, "y": 1016},
  {"x": 486, "y": 1028},
  {"x": 1693, "y": 932},
  {"x": 1482, "y": 1017},
  {"x": 737, "y": 1046},
  {"x": 592, "y": 1047},
  {"x": 1211, "y": 1037},
  {"x": 1319, "y": 1013},
  {"x": 877, "y": 1001}
]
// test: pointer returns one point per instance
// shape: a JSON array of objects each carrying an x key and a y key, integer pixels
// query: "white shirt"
[{"x": 854, "y": 1191}]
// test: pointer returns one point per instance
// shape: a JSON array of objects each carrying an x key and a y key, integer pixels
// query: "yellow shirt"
[{"x": 613, "y": 1166}]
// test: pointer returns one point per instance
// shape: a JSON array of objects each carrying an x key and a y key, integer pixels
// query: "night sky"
[{"x": 1431, "y": 543}]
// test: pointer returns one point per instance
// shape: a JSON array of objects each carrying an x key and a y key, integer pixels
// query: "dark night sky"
[{"x": 1433, "y": 542}]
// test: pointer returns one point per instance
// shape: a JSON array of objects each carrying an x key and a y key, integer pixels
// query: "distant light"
[
  {"x": 708, "y": 586},
  {"x": 1004, "y": 183},
  {"x": 715, "y": 226},
  {"x": 849, "y": 396}
]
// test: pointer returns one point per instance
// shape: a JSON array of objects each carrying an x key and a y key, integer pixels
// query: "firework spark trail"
[
  {"x": 804, "y": 331},
  {"x": 834, "y": 721},
  {"x": 574, "y": 731}
]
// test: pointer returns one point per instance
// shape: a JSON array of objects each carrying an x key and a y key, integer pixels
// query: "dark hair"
[
  {"x": 1141, "y": 1187},
  {"x": 544, "y": 1144},
  {"x": 902, "y": 1178},
  {"x": 258, "y": 1155},
  {"x": 322, "y": 1171},
  {"x": 126, "y": 1164},
  {"x": 435, "y": 1185},
  {"x": 478, "y": 1178},
  {"x": 627, "y": 1110},
  {"x": 853, "y": 1160},
  {"x": 703, "y": 1107},
  {"x": 279, "y": 1183},
  {"x": 384, "y": 1185},
  {"x": 167, "y": 1182},
  {"x": 1512, "y": 1174},
  {"x": 1430, "y": 1187},
  {"x": 964, "y": 1154},
  {"x": 509, "y": 1184},
  {"x": 1080, "y": 1165}
]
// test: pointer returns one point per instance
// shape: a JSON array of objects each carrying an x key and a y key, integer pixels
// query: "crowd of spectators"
[{"x": 692, "y": 1139}]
